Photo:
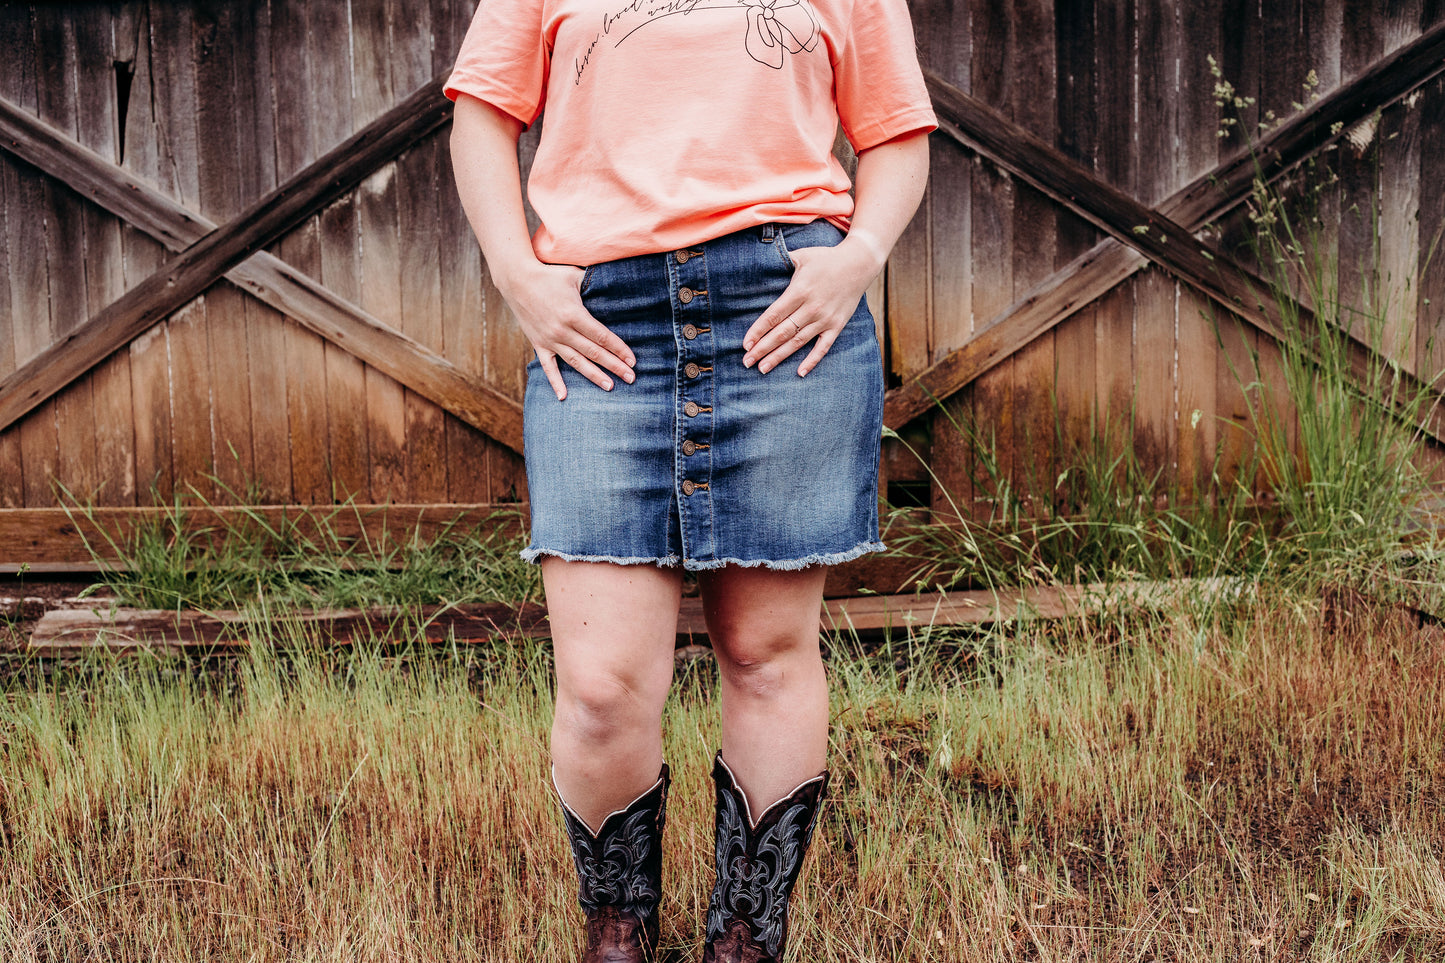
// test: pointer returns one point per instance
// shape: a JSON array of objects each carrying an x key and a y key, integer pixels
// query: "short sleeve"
[
  {"x": 504, "y": 59},
  {"x": 878, "y": 85}
]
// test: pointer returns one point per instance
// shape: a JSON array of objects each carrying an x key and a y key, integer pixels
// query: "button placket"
[{"x": 692, "y": 466}]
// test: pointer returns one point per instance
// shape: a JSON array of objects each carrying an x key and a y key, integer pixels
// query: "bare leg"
[
  {"x": 613, "y": 630},
  {"x": 764, "y": 630}
]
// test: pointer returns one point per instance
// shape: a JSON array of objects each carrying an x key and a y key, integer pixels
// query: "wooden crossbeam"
[
  {"x": 1206, "y": 199},
  {"x": 266, "y": 277},
  {"x": 203, "y": 262}
]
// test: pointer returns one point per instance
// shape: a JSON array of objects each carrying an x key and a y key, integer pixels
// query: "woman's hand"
[
  {"x": 547, "y": 301},
  {"x": 545, "y": 297},
  {"x": 819, "y": 300},
  {"x": 829, "y": 281}
]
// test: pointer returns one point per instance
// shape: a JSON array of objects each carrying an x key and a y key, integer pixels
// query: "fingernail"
[
  {"x": 606, "y": 386},
  {"x": 748, "y": 345},
  {"x": 747, "y": 362},
  {"x": 765, "y": 368}
]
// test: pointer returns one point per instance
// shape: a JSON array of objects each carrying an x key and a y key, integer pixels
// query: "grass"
[
  {"x": 1263, "y": 783},
  {"x": 257, "y": 561}
]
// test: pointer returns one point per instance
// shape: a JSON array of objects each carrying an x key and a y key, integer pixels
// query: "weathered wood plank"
[
  {"x": 29, "y": 273},
  {"x": 1036, "y": 252},
  {"x": 1161, "y": 239},
  {"x": 142, "y": 256},
  {"x": 221, "y": 95},
  {"x": 1430, "y": 339},
  {"x": 1209, "y": 198},
  {"x": 266, "y": 329},
  {"x": 71, "y": 631},
  {"x": 97, "y": 126},
  {"x": 289, "y": 290},
  {"x": 418, "y": 252},
  {"x": 993, "y": 199},
  {"x": 196, "y": 268},
  {"x": 63, "y": 214},
  {"x": 12, "y": 466},
  {"x": 175, "y": 90},
  {"x": 379, "y": 251}
]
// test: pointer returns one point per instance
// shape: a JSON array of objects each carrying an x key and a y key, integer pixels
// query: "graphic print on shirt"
[{"x": 774, "y": 27}]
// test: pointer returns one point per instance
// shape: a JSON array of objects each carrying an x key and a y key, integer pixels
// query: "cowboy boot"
[
  {"x": 619, "y": 869},
  {"x": 757, "y": 865}
]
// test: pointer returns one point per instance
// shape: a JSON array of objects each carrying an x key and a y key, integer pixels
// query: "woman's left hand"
[{"x": 823, "y": 294}]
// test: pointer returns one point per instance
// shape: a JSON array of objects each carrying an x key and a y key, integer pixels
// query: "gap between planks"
[{"x": 120, "y": 630}]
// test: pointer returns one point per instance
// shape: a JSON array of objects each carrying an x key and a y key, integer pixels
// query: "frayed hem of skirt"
[{"x": 533, "y": 554}]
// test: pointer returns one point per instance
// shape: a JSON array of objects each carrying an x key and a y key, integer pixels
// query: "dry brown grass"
[{"x": 1255, "y": 785}]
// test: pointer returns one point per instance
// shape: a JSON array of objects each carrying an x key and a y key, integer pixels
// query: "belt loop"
[{"x": 767, "y": 235}]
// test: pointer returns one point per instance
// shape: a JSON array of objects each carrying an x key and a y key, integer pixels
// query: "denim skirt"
[{"x": 701, "y": 462}]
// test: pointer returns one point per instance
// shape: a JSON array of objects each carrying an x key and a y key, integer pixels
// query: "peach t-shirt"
[{"x": 671, "y": 122}]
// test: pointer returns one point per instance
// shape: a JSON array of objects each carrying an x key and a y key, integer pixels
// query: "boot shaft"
[
  {"x": 619, "y": 876},
  {"x": 758, "y": 863}
]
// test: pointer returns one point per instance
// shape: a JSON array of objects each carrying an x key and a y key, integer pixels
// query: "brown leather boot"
[
  {"x": 619, "y": 869},
  {"x": 757, "y": 865}
]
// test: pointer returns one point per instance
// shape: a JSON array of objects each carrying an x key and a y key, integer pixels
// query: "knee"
[
  {"x": 604, "y": 708},
  {"x": 765, "y": 664}
]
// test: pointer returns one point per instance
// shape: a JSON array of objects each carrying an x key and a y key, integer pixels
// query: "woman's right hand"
[{"x": 547, "y": 300}]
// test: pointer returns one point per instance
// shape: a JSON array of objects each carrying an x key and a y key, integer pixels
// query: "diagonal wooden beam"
[
  {"x": 201, "y": 264},
  {"x": 1204, "y": 200},
  {"x": 266, "y": 277}
]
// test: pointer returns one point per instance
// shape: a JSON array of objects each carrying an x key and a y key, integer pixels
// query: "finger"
[
  {"x": 580, "y": 363},
  {"x": 548, "y": 362},
  {"x": 820, "y": 348},
  {"x": 788, "y": 347},
  {"x": 786, "y": 304},
  {"x": 792, "y": 333},
  {"x": 601, "y": 355},
  {"x": 605, "y": 338}
]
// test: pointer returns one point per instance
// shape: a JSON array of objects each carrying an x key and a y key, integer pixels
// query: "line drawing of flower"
[{"x": 776, "y": 26}]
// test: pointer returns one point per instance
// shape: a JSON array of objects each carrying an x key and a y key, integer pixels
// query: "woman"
[{"x": 706, "y": 393}]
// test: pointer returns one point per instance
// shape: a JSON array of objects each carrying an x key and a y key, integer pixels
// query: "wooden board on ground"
[{"x": 74, "y": 631}]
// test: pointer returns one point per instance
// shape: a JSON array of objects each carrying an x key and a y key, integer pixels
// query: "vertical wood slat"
[
  {"x": 992, "y": 201},
  {"x": 266, "y": 328},
  {"x": 174, "y": 90},
  {"x": 142, "y": 256},
  {"x": 943, "y": 257},
  {"x": 331, "y": 111},
  {"x": 459, "y": 275},
  {"x": 30, "y": 275},
  {"x": 97, "y": 126},
  {"x": 305, "y": 373},
  {"x": 1234, "y": 368},
  {"x": 1158, "y": 315},
  {"x": 1079, "y": 113},
  {"x": 222, "y": 96},
  {"x": 1036, "y": 249},
  {"x": 418, "y": 247},
  {"x": 18, "y": 287},
  {"x": 1399, "y": 201},
  {"x": 378, "y": 253}
]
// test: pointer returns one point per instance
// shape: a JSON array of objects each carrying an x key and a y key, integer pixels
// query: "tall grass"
[
  {"x": 1339, "y": 450},
  {"x": 1263, "y": 787},
  {"x": 255, "y": 559}
]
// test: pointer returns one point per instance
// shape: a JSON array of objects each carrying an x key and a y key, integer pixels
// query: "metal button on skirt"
[{"x": 701, "y": 462}]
